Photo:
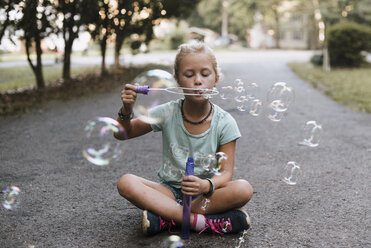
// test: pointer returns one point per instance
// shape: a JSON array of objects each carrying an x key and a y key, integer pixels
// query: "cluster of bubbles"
[
  {"x": 241, "y": 240},
  {"x": 173, "y": 241},
  {"x": 11, "y": 197},
  {"x": 244, "y": 95},
  {"x": 99, "y": 146},
  {"x": 279, "y": 97}
]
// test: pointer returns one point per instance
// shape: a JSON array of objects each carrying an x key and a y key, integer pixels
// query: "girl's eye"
[
  {"x": 206, "y": 73},
  {"x": 188, "y": 75}
]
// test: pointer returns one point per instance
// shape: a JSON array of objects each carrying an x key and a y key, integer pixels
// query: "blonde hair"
[{"x": 198, "y": 47}]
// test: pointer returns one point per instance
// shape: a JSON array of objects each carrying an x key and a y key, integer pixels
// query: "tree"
[
  {"x": 9, "y": 10},
  {"x": 99, "y": 25},
  {"x": 136, "y": 19},
  {"x": 70, "y": 21},
  {"x": 35, "y": 25}
]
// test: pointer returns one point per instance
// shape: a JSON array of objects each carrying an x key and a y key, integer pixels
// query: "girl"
[{"x": 197, "y": 127}]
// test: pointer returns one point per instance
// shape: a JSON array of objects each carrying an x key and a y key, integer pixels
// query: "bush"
[
  {"x": 346, "y": 41},
  {"x": 317, "y": 59}
]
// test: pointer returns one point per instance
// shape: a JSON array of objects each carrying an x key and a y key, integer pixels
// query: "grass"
[
  {"x": 85, "y": 82},
  {"x": 22, "y": 76},
  {"x": 351, "y": 87}
]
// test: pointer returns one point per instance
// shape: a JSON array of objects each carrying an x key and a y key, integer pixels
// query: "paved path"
[{"x": 66, "y": 202}]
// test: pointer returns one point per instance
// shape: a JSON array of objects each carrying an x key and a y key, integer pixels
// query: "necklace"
[{"x": 196, "y": 123}]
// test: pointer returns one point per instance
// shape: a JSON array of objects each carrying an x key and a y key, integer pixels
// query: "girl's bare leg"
[
  {"x": 158, "y": 199},
  {"x": 233, "y": 194},
  {"x": 151, "y": 196}
]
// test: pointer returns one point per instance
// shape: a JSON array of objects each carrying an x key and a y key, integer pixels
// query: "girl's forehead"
[{"x": 196, "y": 59}]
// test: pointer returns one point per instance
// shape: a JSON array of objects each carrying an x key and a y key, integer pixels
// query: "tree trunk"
[
  {"x": 37, "y": 70},
  {"x": 67, "y": 59},
  {"x": 39, "y": 67},
  {"x": 103, "y": 46},
  {"x": 118, "y": 44},
  {"x": 278, "y": 28}
]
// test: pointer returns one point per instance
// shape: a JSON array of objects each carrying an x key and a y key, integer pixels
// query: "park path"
[{"x": 67, "y": 202}]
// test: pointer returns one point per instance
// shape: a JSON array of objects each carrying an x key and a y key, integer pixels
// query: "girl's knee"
[
  {"x": 125, "y": 184},
  {"x": 244, "y": 190}
]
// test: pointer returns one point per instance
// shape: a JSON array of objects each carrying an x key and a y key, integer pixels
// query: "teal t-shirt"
[{"x": 178, "y": 144}]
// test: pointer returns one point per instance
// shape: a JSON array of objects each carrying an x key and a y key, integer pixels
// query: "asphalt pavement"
[{"x": 68, "y": 202}]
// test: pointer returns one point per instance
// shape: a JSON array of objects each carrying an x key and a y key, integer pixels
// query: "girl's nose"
[{"x": 198, "y": 80}]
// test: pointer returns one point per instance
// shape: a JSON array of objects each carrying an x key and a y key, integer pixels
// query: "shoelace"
[
  {"x": 216, "y": 225},
  {"x": 166, "y": 224}
]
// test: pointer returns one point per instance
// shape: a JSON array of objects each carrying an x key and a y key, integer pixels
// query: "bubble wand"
[
  {"x": 187, "y": 201},
  {"x": 145, "y": 89}
]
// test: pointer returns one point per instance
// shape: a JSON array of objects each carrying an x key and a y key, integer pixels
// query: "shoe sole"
[
  {"x": 248, "y": 221},
  {"x": 145, "y": 222}
]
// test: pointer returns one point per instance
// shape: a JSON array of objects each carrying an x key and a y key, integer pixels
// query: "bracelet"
[
  {"x": 212, "y": 188},
  {"x": 123, "y": 117}
]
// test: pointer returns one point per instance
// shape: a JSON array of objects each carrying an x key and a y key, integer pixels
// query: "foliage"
[
  {"x": 351, "y": 87},
  {"x": 317, "y": 59},
  {"x": 345, "y": 43}
]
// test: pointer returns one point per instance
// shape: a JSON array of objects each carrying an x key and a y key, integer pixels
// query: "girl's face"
[{"x": 196, "y": 71}]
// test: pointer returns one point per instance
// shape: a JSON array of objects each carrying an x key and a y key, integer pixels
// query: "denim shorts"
[{"x": 177, "y": 192}]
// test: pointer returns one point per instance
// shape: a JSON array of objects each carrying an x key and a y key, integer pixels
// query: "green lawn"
[
  {"x": 351, "y": 87},
  {"x": 22, "y": 76}
]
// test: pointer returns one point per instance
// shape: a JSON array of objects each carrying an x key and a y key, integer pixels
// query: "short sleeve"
[{"x": 229, "y": 130}]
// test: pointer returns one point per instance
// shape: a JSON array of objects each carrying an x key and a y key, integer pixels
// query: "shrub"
[
  {"x": 317, "y": 59},
  {"x": 346, "y": 41}
]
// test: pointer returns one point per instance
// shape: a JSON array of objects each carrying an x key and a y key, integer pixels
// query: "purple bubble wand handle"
[
  {"x": 142, "y": 89},
  {"x": 187, "y": 200}
]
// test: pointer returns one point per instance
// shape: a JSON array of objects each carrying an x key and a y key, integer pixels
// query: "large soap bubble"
[
  {"x": 155, "y": 79},
  {"x": 99, "y": 146},
  {"x": 283, "y": 93}
]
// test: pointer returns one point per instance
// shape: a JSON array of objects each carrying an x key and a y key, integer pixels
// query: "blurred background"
[{"x": 105, "y": 35}]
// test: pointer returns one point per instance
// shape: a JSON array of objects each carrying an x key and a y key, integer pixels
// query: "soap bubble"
[
  {"x": 255, "y": 107},
  {"x": 99, "y": 146},
  {"x": 11, "y": 197},
  {"x": 227, "y": 227},
  {"x": 242, "y": 103},
  {"x": 173, "y": 241},
  {"x": 205, "y": 203},
  {"x": 291, "y": 173},
  {"x": 280, "y": 91},
  {"x": 213, "y": 162},
  {"x": 241, "y": 239},
  {"x": 155, "y": 79},
  {"x": 312, "y": 133},
  {"x": 276, "y": 110},
  {"x": 251, "y": 90},
  {"x": 239, "y": 94},
  {"x": 226, "y": 92}
]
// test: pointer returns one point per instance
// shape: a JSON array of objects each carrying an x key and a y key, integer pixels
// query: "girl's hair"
[{"x": 198, "y": 47}]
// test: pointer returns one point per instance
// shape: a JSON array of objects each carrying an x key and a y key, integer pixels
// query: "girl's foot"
[
  {"x": 232, "y": 221},
  {"x": 152, "y": 223}
]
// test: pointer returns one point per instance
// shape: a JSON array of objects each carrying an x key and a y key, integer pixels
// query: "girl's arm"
[
  {"x": 193, "y": 185},
  {"x": 133, "y": 128}
]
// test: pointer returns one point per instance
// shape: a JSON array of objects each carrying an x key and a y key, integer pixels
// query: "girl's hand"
[
  {"x": 192, "y": 185},
  {"x": 128, "y": 97}
]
